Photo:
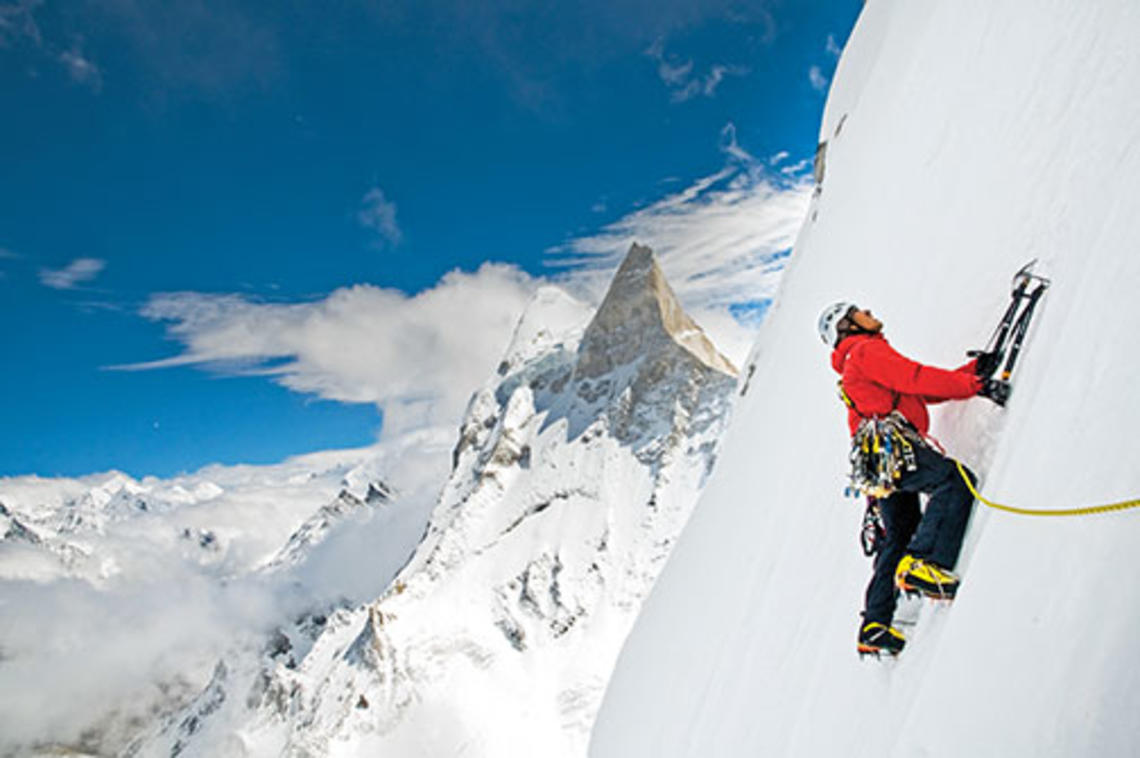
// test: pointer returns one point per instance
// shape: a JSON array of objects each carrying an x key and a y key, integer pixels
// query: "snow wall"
[{"x": 964, "y": 138}]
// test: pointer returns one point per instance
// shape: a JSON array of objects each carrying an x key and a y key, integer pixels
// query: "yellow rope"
[{"x": 1121, "y": 506}]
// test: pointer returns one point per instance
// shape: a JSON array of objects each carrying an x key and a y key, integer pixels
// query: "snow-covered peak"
[
  {"x": 640, "y": 310},
  {"x": 567, "y": 491},
  {"x": 551, "y": 317},
  {"x": 318, "y": 526},
  {"x": 116, "y": 484}
]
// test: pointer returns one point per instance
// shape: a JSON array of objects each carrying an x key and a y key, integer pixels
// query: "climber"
[{"x": 920, "y": 549}]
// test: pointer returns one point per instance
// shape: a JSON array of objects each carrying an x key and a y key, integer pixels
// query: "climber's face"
[{"x": 862, "y": 318}]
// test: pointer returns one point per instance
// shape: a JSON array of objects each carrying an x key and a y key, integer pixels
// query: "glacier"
[{"x": 962, "y": 139}]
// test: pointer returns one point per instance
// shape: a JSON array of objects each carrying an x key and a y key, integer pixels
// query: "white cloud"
[
  {"x": 817, "y": 79},
  {"x": 18, "y": 27},
  {"x": 672, "y": 73},
  {"x": 778, "y": 158},
  {"x": 796, "y": 168},
  {"x": 417, "y": 357},
  {"x": 714, "y": 78},
  {"x": 680, "y": 77},
  {"x": 78, "y": 271},
  {"x": 833, "y": 47},
  {"x": 379, "y": 214},
  {"x": 143, "y": 615},
  {"x": 730, "y": 147},
  {"x": 81, "y": 69},
  {"x": 18, "y": 22}
]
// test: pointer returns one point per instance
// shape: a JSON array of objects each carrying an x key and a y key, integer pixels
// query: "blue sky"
[{"x": 226, "y": 229}]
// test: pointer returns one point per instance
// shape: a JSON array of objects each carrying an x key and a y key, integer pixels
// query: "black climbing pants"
[{"x": 935, "y": 536}]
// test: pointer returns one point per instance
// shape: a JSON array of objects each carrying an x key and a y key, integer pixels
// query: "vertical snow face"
[
  {"x": 964, "y": 138},
  {"x": 574, "y": 471}
]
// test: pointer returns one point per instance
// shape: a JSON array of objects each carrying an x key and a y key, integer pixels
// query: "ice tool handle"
[
  {"x": 1014, "y": 325},
  {"x": 1021, "y": 327}
]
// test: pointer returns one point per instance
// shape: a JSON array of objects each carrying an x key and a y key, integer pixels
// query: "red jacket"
[{"x": 879, "y": 380}]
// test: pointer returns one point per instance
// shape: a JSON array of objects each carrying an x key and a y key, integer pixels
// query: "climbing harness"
[
  {"x": 882, "y": 450},
  {"x": 1123, "y": 505}
]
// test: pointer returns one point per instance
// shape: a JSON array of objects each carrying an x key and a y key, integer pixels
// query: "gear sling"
[{"x": 882, "y": 450}]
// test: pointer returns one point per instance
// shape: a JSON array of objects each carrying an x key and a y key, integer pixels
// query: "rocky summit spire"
[{"x": 639, "y": 310}]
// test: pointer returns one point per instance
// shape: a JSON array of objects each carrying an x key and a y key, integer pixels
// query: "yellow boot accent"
[{"x": 916, "y": 575}]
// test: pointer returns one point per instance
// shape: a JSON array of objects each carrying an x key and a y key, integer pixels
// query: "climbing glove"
[
  {"x": 986, "y": 362},
  {"x": 995, "y": 390}
]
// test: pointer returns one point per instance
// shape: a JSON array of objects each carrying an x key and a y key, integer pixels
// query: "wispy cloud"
[
  {"x": 579, "y": 36},
  {"x": 6, "y": 255},
  {"x": 173, "y": 48},
  {"x": 19, "y": 28},
  {"x": 680, "y": 77},
  {"x": 18, "y": 23},
  {"x": 191, "y": 47},
  {"x": 417, "y": 357},
  {"x": 833, "y": 47},
  {"x": 797, "y": 168},
  {"x": 730, "y": 147},
  {"x": 817, "y": 79},
  {"x": 73, "y": 274},
  {"x": 81, "y": 69},
  {"x": 722, "y": 242},
  {"x": 816, "y": 73},
  {"x": 378, "y": 213}
]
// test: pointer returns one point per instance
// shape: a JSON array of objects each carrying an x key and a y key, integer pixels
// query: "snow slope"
[{"x": 964, "y": 138}]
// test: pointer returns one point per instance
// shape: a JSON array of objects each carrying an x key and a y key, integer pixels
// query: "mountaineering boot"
[
  {"x": 916, "y": 575},
  {"x": 875, "y": 638}
]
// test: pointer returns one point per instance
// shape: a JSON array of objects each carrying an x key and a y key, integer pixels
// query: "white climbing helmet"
[{"x": 829, "y": 321}]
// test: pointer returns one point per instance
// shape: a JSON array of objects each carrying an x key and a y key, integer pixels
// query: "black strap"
[{"x": 851, "y": 403}]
